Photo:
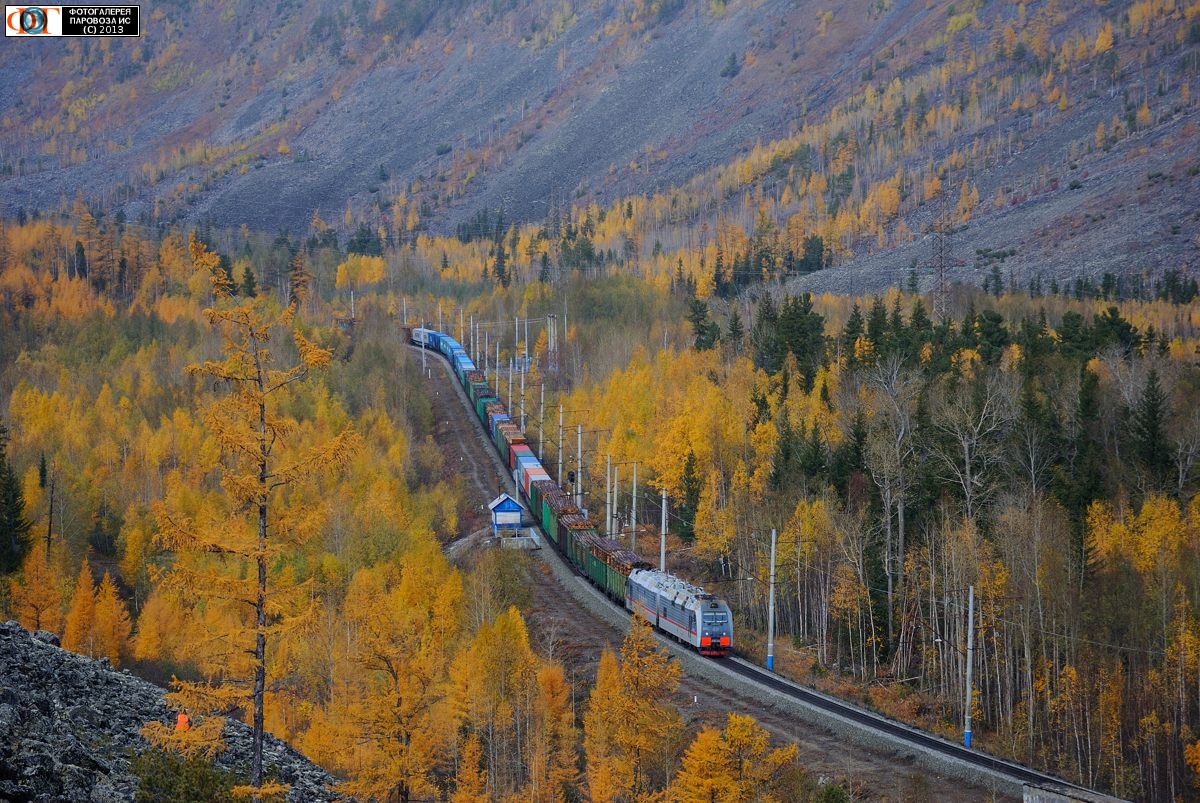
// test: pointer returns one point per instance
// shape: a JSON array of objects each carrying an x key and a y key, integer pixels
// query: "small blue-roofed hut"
[{"x": 506, "y": 516}]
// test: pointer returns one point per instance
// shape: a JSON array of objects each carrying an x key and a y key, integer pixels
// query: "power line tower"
[{"x": 941, "y": 259}]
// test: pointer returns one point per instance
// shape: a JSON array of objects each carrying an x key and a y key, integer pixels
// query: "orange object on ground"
[{"x": 182, "y": 722}]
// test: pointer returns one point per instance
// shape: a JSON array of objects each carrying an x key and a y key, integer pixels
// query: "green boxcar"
[
  {"x": 481, "y": 406},
  {"x": 593, "y": 566},
  {"x": 570, "y": 527},
  {"x": 581, "y": 547},
  {"x": 614, "y": 582},
  {"x": 540, "y": 493},
  {"x": 479, "y": 390}
]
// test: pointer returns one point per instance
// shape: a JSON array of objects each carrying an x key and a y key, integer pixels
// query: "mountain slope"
[
  {"x": 1061, "y": 130},
  {"x": 192, "y": 116}
]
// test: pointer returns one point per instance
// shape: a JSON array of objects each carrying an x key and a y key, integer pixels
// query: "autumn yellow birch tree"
[{"x": 226, "y": 556}]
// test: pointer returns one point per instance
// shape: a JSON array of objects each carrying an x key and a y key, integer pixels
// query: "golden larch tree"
[
  {"x": 80, "y": 635},
  {"x": 646, "y": 721},
  {"x": 552, "y": 763},
  {"x": 470, "y": 783},
  {"x": 112, "y": 622},
  {"x": 705, "y": 775},
  {"x": 599, "y": 731},
  {"x": 1104, "y": 39},
  {"x": 37, "y": 597},
  {"x": 397, "y": 732},
  {"x": 755, "y": 766},
  {"x": 229, "y": 558}
]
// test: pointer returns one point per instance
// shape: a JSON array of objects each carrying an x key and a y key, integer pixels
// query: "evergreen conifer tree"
[
  {"x": 249, "y": 287},
  {"x": 14, "y": 527},
  {"x": 691, "y": 497},
  {"x": 1148, "y": 431},
  {"x": 736, "y": 331}
]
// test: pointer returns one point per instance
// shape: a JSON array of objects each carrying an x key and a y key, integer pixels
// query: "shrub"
[{"x": 167, "y": 778}]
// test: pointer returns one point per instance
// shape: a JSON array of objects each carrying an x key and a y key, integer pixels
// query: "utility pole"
[
  {"x": 579, "y": 466},
  {"x": 523, "y": 401},
  {"x": 608, "y": 496},
  {"x": 498, "y": 368},
  {"x": 771, "y": 611},
  {"x": 405, "y": 310},
  {"x": 633, "y": 514},
  {"x": 615, "y": 527},
  {"x": 510, "y": 372},
  {"x": 970, "y": 662},
  {"x": 474, "y": 353},
  {"x": 560, "y": 445},
  {"x": 542, "y": 429},
  {"x": 440, "y": 327},
  {"x": 662, "y": 541},
  {"x": 460, "y": 326}
]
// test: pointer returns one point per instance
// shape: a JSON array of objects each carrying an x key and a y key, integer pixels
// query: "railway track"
[
  {"x": 864, "y": 726},
  {"x": 910, "y": 736}
]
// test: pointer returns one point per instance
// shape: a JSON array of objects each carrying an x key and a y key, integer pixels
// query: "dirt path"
[{"x": 570, "y": 634}]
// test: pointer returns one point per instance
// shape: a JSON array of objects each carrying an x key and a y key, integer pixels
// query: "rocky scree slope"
[{"x": 69, "y": 726}]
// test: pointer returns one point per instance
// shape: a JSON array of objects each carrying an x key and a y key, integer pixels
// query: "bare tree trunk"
[{"x": 260, "y": 605}]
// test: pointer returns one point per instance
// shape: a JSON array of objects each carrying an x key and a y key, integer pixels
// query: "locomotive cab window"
[{"x": 711, "y": 618}]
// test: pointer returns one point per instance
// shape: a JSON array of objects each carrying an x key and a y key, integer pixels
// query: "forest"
[
  {"x": 1038, "y": 446},
  {"x": 128, "y": 467}
]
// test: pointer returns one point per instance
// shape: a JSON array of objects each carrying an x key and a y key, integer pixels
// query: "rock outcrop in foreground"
[{"x": 69, "y": 726}]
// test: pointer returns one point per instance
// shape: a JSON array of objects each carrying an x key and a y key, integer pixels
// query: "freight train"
[{"x": 669, "y": 603}]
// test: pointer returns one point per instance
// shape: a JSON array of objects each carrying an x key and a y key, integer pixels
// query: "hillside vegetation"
[{"x": 1058, "y": 131}]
